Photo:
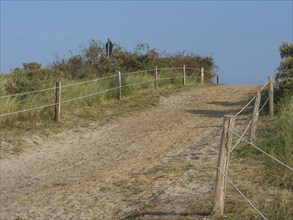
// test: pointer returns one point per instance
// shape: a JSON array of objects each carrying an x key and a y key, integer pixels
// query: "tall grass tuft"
[{"x": 279, "y": 143}]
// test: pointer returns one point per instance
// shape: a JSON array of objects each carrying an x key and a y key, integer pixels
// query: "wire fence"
[
  {"x": 139, "y": 83},
  {"x": 138, "y": 72},
  {"x": 86, "y": 96},
  {"x": 264, "y": 105},
  {"x": 259, "y": 149},
  {"x": 170, "y": 68},
  {"x": 28, "y": 110},
  {"x": 173, "y": 71},
  {"x": 246, "y": 199},
  {"x": 89, "y": 81},
  {"x": 250, "y": 121},
  {"x": 27, "y": 93},
  {"x": 241, "y": 137},
  {"x": 189, "y": 68},
  {"x": 245, "y": 107}
]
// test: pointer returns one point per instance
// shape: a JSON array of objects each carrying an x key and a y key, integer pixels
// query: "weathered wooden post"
[
  {"x": 183, "y": 80},
  {"x": 223, "y": 164},
  {"x": 58, "y": 101},
  {"x": 271, "y": 96},
  {"x": 118, "y": 80},
  {"x": 202, "y": 75},
  {"x": 218, "y": 79},
  {"x": 156, "y": 78},
  {"x": 255, "y": 117}
]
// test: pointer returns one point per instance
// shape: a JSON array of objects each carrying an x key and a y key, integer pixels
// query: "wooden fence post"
[
  {"x": 223, "y": 163},
  {"x": 184, "y": 75},
  {"x": 156, "y": 78},
  {"x": 218, "y": 79},
  {"x": 255, "y": 117},
  {"x": 271, "y": 96},
  {"x": 58, "y": 101},
  {"x": 118, "y": 80},
  {"x": 202, "y": 75}
]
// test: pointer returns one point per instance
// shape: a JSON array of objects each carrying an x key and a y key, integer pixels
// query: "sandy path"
[{"x": 106, "y": 172}]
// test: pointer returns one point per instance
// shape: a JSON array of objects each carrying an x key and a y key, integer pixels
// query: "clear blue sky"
[{"x": 242, "y": 36}]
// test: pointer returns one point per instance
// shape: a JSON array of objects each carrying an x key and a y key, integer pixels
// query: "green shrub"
[
  {"x": 29, "y": 80},
  {"x": 93, "y": 62},
  {"x": 285, "y": 74}
]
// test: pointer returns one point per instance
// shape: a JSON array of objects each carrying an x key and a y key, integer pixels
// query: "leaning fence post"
[
  {"x": 156, "y": 78},
  {"x": 255, "y": 117},
  {"x": 223, "y": 163},
  {"x": 202, "y": 75},
  {"x": 184, "y": 75},
  {"x": 58, "y": 101},
  {"x": 271, "y": 96},
  {"x": 118, "y": 79}
]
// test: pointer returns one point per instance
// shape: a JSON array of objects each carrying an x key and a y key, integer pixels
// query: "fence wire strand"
[
  {"x": 239, "y": 140},
  {"x": 250, "y": 101},
  {"x": 208, "y": 80},
  {"x": 27, "y": 110},
  {"x": 169, "y": 78},
  {"x": 171, "y": 68},
  {"x": 86, "y": 96},
  {"x": 245, "y": 106},
  {"x": 264, "y": 86},
  {"x": 142, "y": 71},
  {"x": 27, "y": 93},
  {"x": 246, "y": 129},
  {"x": 264, "y": 105},
  {"x": 213, "y": 74},
  {"x": 134, "y": 84},
  {"x": 89, "y": 81},
  {"x": 253, "y": 145},
  {"x": 235, "y": 187},
  {"x": 189, "y": 68}
]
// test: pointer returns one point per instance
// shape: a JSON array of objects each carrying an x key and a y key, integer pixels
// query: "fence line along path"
[
  {"x": 58, "y": 90},
  {"x": 226, "y": 148}
]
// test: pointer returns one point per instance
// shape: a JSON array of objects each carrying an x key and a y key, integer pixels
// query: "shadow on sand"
[
  {"x": 208, "y": 113},
  {"x": 163, "y": 215}
]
